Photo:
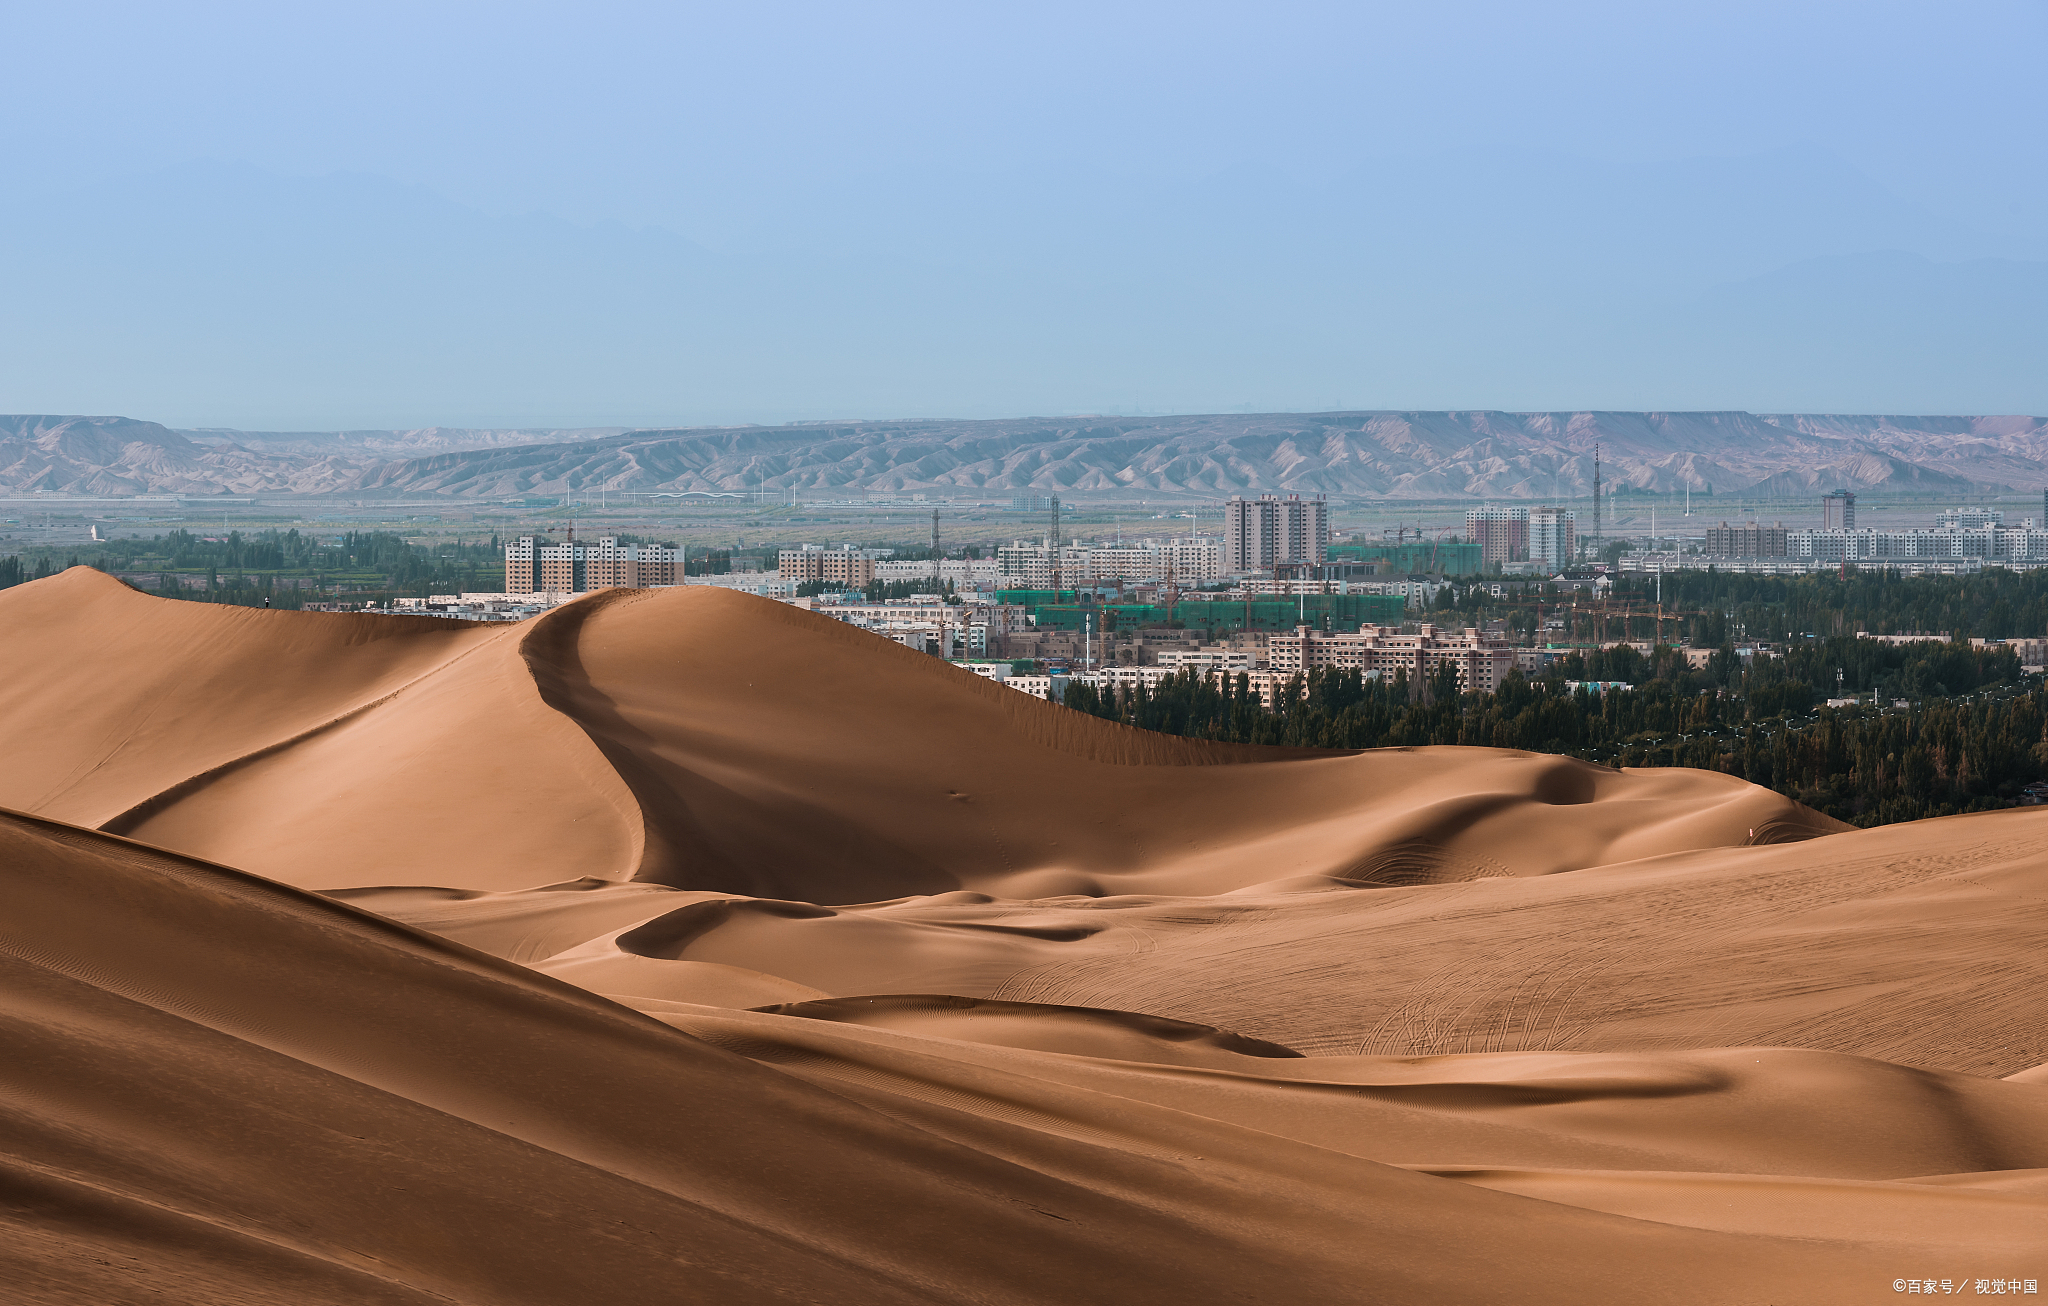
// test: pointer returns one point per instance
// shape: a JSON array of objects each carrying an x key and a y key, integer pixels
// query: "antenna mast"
[
  {"x": 1055, "y": 543},
  {"x": 1596, "y": 500},
  {"x": 935, "y": 547}
]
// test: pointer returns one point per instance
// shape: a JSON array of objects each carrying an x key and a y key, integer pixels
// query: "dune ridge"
[
  {"x": 711, "y": 736},
  {"x": 708, "y": 950}
]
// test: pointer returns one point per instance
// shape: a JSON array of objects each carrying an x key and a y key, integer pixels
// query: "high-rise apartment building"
[
  {"x": 1258, "y": 533},
  {"x": 1838, "y": 510},
  {"x": 1553, "y": 536},
  {"x": 1749, "y": 540},
  {"x": 1502, "y": 535},
  {"x": 533, "y": 565},
  {"x": 634, "y": 566},
  {"x": 522, "y": 560}
]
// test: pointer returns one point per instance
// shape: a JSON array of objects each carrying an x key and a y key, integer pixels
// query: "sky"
[{"x": 321, "y": 216}]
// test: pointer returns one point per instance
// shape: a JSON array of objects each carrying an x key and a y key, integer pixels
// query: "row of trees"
[
  {"x": 287, "y": 566},
  {"x": 16, "y": 570},
  {"x": 1972, "y": 740},
  {"x": 1706, "y": 606}
]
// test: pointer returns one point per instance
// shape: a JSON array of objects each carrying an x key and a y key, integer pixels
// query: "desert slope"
[
  {"x": 1919, "y": 945},
  {"x": 482, "y": 1133},
  {"x": 682, "y": 946},
  {"x": 714, "y": 741}
]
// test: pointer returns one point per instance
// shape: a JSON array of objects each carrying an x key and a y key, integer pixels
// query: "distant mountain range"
[
  {"x": 389, "y": 444},
  {"x": 1399, "y": 455}
]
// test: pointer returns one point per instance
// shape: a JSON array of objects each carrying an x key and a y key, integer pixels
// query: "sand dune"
[
  {"x": 1917, "y": 944},
  {"x": 679, "y": 946},
  {"x": 713, "y": 741},
  {"x": 340, "y": 1109}
]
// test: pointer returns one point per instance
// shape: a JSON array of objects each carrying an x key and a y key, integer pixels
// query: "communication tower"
[
  {"x": 1054, "y": 543},
  {"x": 1596, "y": 499}
]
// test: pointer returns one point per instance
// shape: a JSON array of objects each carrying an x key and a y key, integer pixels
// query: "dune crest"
[{"x": 713, "y": 741}]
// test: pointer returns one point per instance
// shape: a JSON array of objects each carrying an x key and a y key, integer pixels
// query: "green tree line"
[
  {"x": 1971, "y": 736},
  {"x": 287, "y": 567},
  {"x": 1706, "y": 606}
]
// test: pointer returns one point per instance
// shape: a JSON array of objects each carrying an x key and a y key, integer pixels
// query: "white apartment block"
[
  {"x": 1640, "y": 562},
  {"x": 1482, "y": 660},
  {"x": 1991, "y": 543},
  {"x": 1209, "y": 658},
  {"x": 1189, "y": 560},
  {"x": 965, "y": 573},
  {"x": 1259, "y": 533},
  {"x": 1672, "y": 560},
  {"x": 996, "y": 671},
  {"x": 1022, "y": 566},
  {"x": 1553, "y": 536},
  {"x": 1968, "y": 518},
  {"x": 1004, "y": 618},
  {"x": 1050, "y": 688},
  {"x": 576, "y": 566},
  {"x": 1114, "y": 678},
  {"x": 848, "y": 566},
  {"x": 969, "y": 630},
  {"x": 921, "y": 637},
  {"x": 1418, "y": 593}
]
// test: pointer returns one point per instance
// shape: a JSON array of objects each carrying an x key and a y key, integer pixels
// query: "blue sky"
[{"x": 317, "y": 216}]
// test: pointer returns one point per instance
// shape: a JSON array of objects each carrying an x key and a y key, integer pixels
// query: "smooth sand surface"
[
  {"x": 713, "y": 741},
  {"x": 679, "y": 946}
]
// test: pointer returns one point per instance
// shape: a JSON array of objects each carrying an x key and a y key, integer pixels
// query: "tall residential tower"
[
  {"x": 1260, "y": 533},
  {"x": 1553, "y": 536},
  {"x": 1502, "y": 535}
]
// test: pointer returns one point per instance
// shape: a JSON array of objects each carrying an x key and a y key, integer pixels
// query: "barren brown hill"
[
  {"x": 1406, "y": 455},
  {"x": 680, "y": 946}
]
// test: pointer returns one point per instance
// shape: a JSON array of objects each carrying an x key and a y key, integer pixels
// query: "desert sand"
[{"x": 683, "y": 946}]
